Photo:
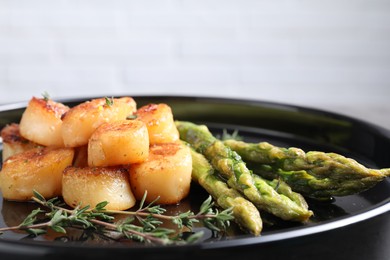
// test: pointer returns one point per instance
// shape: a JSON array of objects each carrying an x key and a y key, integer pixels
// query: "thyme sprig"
[
  {"x": 46, "y": 96},
  {"x": 142, "y": 225},
  {"x": 109, "y": 101}
]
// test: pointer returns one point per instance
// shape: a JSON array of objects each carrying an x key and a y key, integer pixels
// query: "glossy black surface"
[{"x": 356, "y": 226}]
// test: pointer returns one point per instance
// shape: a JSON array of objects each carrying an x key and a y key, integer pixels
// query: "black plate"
[{"x": 338, "y": 229}]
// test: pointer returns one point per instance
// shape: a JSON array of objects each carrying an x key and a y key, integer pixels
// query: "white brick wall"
[{"x": 331, "y": 54}]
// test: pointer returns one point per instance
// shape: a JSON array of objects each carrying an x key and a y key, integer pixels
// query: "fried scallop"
[
  {"x": 120, "y": 142},
  {"x": 165, "y": 175},
  {"x": 37, "y": 169},
  {"x": 41, "y": 122},
  {"x": 160, "y": 123},
  {"x": 13, "y": 142},
  {"x": 89, "y": 186},
  {"x": 82, "y": 120}
]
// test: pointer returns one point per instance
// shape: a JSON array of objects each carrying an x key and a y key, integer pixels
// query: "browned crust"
[
  {"x": 11, "y": 134},
  {"x": 50, "y": 106},
  {"x": 112, "y": 172}
]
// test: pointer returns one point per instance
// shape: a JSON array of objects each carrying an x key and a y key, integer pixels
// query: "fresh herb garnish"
[
  {"x": 109, "y": 101},
  {"x": 46, "y": 96},
  {"x": 131, "y": 117},
  {"x": 142, "y": 225}
]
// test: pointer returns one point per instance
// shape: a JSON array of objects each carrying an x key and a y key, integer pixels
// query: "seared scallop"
[
  {"x": 37, "y": 169},
  {"x": 120, "y": 142},
  {"x": 82, "y": 120},
  {"x": 160, "y": 123},
  {"x": 13, "y": 142},
  {"x": 41, "y": 122},
  {"x": 89, "y": 186},
  {"x": 165, "y": 175}
]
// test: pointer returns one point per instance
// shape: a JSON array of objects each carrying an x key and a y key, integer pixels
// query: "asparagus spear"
[
  {"x": 245, "y": 213},
  {"x": 314, "y": 174},
  {"x": 283, "y": 188},
  {"x": 230, "y": 165}
]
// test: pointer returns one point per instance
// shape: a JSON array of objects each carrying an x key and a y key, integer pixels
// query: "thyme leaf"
[
  {"x": 46, "y": 96},
  {"x": 131, "y": 117},
  {"x": 109, "y": 101}
]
